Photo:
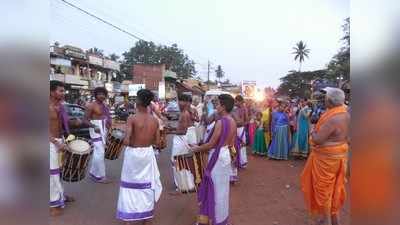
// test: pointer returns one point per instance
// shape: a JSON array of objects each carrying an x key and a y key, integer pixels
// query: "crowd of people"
[{"x": 220, "y": 129}]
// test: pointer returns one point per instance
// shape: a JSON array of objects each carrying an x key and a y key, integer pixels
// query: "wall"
[{"x": 148, "y": 74}]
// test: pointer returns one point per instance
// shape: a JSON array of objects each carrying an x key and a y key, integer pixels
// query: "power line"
[{"x": 104, "y": 21}]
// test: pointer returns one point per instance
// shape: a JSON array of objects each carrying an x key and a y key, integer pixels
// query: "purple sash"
[
  {"x": 62, "y": 114},
  {"x": 206, "y": 193},
  {"x": 106, "y": 112},
  {"x": 238, "y": 142}
]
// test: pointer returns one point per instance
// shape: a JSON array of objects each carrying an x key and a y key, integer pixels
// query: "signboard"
[
  {"x": 110, "y": 64},
  {"x": 249, "y": 89},
  {"x": 134, "y": 88}
]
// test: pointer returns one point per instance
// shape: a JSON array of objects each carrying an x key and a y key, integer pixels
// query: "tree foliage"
[
  {"x": 145, "y": 52},
  {"x": 300, "y": 52},
  {"x": 299, "y": 83},
  {"x": 219, "y": 73},
  {"x": 339, "y": 66},
  {"x": 96, "y": 51}
]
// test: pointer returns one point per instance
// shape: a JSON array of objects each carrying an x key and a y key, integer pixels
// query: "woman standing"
[
  {"x": 279, "y": 148},
  {"x": 259, "y": 145},
  {"x": 300, "y": 148}
]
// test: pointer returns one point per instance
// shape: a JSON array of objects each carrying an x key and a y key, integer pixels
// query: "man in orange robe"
[{"x": 323, "y": 178}]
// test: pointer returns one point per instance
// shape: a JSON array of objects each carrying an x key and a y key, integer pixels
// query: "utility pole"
[{"x": 208, "y": 75}]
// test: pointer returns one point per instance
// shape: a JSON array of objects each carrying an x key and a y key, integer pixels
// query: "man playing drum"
[
  {"x": 58, "y": 125},
  {"x": 181, "y": 143},
  {"x": 213, "y": 194},
  {"x": 140, "y": 184},
  {"x": 98, "y": 114}
]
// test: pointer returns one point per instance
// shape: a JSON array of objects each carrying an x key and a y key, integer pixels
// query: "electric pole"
[{"x": 208, "y": 75}]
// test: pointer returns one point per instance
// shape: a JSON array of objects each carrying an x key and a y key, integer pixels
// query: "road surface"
[{"x": 268, "y": 193}]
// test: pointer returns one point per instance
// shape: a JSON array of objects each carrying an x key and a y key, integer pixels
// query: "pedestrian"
[
  {"x": 266, "y": 120},
  {"x": 200, "y": 128},
  {"x": 240, "y": 115},
  {"x": 323, "y": 177},
  {"x": 140, "y": 185},
  {"x": 259, "y": 146},
  {"x": 301, "y": 148},
  {"x": 279, "y": 148},
  {"x": 98, "y": 113},
  {"x": 213, "y": 193}
]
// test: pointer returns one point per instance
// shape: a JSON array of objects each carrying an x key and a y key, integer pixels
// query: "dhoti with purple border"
[{"x": 140, "y": 185}]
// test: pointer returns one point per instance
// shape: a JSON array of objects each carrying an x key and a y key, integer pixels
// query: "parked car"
[
  {"x": 77, "y": 111},
  {"x": 172, "y": 110}
]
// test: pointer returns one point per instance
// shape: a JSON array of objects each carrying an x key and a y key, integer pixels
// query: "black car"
[{"x": 77, "y": 111}]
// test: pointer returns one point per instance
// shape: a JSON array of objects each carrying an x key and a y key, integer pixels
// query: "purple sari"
[
  {"x": 63, "y": 116},
  {"x": 206, "y": 194}
]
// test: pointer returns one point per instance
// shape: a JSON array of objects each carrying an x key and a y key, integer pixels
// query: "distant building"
[{"x": 149, "y": 74}]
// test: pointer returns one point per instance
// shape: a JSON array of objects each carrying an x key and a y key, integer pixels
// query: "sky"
[{"x": 251, "y": 40}]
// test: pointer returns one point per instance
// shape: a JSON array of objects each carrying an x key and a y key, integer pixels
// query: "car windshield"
[{"x": 75, "y": 111}]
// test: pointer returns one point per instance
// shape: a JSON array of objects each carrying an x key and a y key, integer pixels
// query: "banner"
[
  {"x": 249, "y": 89},
  {"x": 134, "y": 88}
]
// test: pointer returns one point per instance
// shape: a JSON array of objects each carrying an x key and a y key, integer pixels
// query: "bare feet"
[
  {"x": 335, "y": 220},
  {"x": 56, "y": 211},
  {"x": 175, "y": 193},
  {"x": 69, "y": 198}
]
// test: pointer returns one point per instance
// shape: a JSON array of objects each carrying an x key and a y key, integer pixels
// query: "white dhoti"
[
  {"x": 98, "y": 168},
  {"x": 140, "y": 185},
  {"x": 243, "y": 151},
  {"x": 183, "y": 178},
  {"x": 191, "y": 135},
  {"x": 199, "y": 131},
  {"x": 220, "y": 175},
  {"x": 56, "y": 189}
]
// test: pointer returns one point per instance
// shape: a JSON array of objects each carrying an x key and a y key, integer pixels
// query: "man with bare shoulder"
[
  {"x": 323, "y": 177},
  {"x": 58, "y": 127},
  {"x": 213, "y": 194},
  {"x": 98, "y": 114},
  {"x": 140, "y": 184},
  {"x": 180, "y": 145}
]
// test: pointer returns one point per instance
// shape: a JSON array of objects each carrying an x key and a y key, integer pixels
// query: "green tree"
[
  {"x": 96, "y": 51},
  {"x": 114, "y": 57},
  {"x": 219, "y": 73},
  {"x": 339, "y": 66},
  {"x": 300, "y": 52},
  {"x": 149, "y": 53},
  {"x": 299, "y": 83}
]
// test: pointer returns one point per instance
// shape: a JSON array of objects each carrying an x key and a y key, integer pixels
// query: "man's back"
[
  {"x": 144, "y": 130},
  {"x": 340, "y": 124}
]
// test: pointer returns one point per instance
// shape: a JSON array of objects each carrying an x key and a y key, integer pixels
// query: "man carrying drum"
[
  {"x": 58, "y": 125},
  {"x": 181, "y": 142},
  {"x": 140, "y": 184},
  {"x": 213, "y": 193},
  {"x": 98, "y": 114}
]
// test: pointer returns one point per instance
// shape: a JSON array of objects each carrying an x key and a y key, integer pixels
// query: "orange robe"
[{"x": 324, "y": 175}]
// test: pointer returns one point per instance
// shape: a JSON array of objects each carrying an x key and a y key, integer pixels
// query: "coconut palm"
[{"x": 300, "y": 51}]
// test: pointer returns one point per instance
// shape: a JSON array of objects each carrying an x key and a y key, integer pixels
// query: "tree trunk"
[{"x": 300, "y": 67}]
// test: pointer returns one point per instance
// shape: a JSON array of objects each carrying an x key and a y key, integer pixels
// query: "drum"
[
  {"x": 195, "y": 163},
  {"x": 114, "y": 143},
  {"x": 76, "y": 159}
]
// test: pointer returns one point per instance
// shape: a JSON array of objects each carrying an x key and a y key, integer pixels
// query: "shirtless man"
[
  {"x": 240, "y": 116},
  {"x": 98, "y": 114},
  {"x": 140, "y": 184},
  {"x": 323, "y": 177},
  {"x": 58, "y": 126},
  {"x": 180, "y": 139}
]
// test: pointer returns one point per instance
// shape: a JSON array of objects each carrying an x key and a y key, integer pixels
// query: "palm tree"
[
  {"x": 219, "y": 73},
  {"x": 300, "y": 50}
]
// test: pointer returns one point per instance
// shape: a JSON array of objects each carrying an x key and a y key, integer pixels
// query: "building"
[
  {"x": 79, "y": 70},
  {"x": 148, "y": 74}
]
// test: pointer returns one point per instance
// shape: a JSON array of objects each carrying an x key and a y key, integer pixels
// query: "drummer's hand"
[
  {"x": 194, "y": 148},
  {"x": 97, "y": 130},
  {"x": 61, "y": 146}
]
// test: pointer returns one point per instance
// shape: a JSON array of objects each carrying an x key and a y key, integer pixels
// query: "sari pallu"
[{"x": 208, "y": 194}]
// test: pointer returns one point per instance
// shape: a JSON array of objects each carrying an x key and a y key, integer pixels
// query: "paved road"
[{"x": 268, "y": 193}]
